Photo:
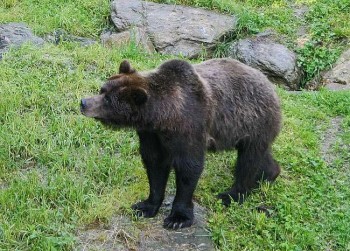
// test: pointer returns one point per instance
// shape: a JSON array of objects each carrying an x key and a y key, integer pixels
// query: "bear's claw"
[
  {"x": 177, "y": 221},
  {"x": 145, "y": 209}
]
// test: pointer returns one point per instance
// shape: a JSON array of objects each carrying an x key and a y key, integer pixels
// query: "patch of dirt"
[
  {"x": 123, "y": 234},
  {"x": 118, "y": 235},
  {"x": 300, "y": 12},
  {"x": 28, "y": 168},
  {"x": 329, "y": 139},
  {"x": 31, "y": 167}
]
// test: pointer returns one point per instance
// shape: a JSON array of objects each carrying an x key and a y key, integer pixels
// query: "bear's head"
[{"x": 120, "y": 99}]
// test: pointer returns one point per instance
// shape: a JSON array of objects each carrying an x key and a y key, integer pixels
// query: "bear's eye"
[{"x": 107, "y": 100}]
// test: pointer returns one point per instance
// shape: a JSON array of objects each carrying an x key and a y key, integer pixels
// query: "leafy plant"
[{"x": 314, "y": 58}]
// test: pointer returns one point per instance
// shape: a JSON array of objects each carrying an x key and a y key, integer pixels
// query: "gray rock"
[
  {"x": 276, "y": 61},
  {"x": 60, "y": 35},
  {"x": 134, "y": 34},
  {"x": 338, "y": 78},
  {"x": 15, "y": 34},
  {"x": 173, "y": 29}
]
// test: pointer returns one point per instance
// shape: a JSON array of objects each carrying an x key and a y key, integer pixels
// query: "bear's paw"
[
  {"x": 178, "y": 220},
  {"x": 145, "y": 209}
]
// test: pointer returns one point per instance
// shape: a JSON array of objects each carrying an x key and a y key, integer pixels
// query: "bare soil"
[
  {"x": 123, "y": 234},
  {"x": 329, "y": 140}
]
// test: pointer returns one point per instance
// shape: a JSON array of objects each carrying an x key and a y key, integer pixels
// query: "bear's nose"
[{"x": 83, "y": 104}]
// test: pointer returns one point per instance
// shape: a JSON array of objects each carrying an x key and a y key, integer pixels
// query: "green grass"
[
  {"x": 60, "y": 171},
  {"x": 80, "y": 17}
]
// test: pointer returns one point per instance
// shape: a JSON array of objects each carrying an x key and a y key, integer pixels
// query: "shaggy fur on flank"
[{"x": 181, "y": 110}]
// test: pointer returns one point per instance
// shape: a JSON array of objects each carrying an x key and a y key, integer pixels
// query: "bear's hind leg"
[
  {"x": 269, "y": 168},
  {"x": 249, "y": 159}
]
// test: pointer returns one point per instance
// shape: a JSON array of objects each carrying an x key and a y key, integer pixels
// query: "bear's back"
[{"x": 245, "y": 105}]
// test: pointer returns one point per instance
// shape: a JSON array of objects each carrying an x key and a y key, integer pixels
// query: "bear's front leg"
[
  {"x": 187, "y": 170},
  {"x": 157, "y": 164}
]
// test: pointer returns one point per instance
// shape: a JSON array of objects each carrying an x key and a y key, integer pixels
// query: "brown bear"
[{"x": 179, "y": 110}]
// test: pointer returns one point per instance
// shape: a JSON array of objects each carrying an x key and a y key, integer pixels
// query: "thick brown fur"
[{"x": 179, "y": 111}]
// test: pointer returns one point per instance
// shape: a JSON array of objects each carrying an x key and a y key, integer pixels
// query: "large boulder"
[
  {"x": 173, "y": 29},
  {"x": 275, "y": 60},
  {"x": 338, "y": 78},
  {"x": 15, "y": 34}
]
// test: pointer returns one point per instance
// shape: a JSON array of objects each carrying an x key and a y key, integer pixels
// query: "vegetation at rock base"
[{"x": 60, "y": 171}]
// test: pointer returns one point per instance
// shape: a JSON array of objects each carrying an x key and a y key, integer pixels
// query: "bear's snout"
[{"x": 92, "y": 106}]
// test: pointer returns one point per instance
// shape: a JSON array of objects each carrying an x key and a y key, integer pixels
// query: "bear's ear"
[
  {"x": 137, "y": 95},
  {"x": 125, "y": 67}
]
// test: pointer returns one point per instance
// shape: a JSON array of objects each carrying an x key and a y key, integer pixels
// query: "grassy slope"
[{"x": 59, "y": 170}]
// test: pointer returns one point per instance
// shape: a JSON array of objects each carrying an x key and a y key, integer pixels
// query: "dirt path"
[
  {"x": 329, "y": 139},
  {"x": 122, "y": 234}
]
